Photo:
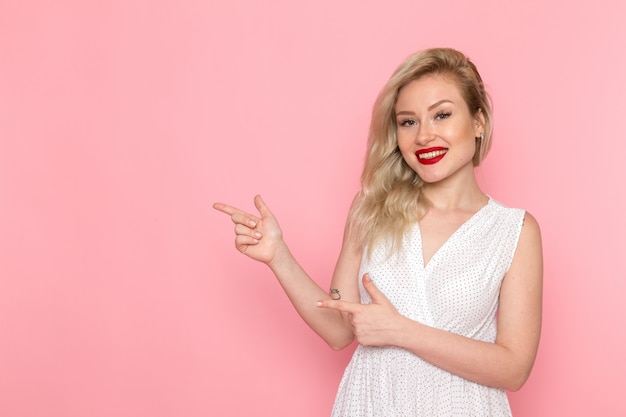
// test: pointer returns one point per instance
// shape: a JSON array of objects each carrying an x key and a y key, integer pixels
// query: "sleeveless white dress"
[{"x": 456, "y": 291}]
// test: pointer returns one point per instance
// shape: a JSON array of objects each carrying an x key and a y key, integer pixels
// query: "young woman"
[{"x": 427, "y": 261}]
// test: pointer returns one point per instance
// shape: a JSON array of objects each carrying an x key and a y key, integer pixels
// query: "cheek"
[
  {"x": 463, "y": 136},
  {"x": 405, "y": 139},
  {"x": 406, "y": 148},
  {"x": 470, "y": 150}
]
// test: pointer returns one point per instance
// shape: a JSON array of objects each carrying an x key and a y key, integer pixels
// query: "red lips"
[{"x": 432, "y": 155}]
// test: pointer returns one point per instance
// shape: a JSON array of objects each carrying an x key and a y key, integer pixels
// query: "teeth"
[{"x": 430, "y": 155}]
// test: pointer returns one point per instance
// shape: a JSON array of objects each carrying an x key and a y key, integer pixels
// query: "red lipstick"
[{"x": 431, "y": 156}]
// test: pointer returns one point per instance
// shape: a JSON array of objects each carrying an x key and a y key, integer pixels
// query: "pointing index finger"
[
  {"x": 237, "y": 215},
  {"x": 339, "y": 305},
  {"x": 225, "y": 208}
]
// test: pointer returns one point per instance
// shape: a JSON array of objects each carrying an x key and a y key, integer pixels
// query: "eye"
[
  {"x": 407, "y": 122},
  {"x": 442, "y": 115}
]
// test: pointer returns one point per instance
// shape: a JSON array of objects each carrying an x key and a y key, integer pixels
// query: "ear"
[{"x": 479, "y": 123}]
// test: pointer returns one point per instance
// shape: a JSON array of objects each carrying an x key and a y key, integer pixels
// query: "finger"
[
  {"x": 246, "y": 219},
  {"x": 243, "y": 230},
  {"x": 225, "y": 208},
  {"x": 236, "y": 215},
  {"x": 345, "y": 306},
  {"x": 372, "y": 289},
  {"x": 242, "y": 242},
  {"x": 264, "y": 210}
]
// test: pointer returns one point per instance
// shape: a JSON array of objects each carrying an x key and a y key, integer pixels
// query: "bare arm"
[
  {"x": 260, "y": 238},
  {"x": 504, "y": 364}
]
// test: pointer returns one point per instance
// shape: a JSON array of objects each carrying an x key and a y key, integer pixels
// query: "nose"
[{"x": 424, "y": 134}]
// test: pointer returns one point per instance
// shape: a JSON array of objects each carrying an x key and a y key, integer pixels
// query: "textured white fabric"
[{"x": 457, "y": 291}]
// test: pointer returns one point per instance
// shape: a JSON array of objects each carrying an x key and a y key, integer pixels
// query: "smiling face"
[{"x": 436, "y": 131}]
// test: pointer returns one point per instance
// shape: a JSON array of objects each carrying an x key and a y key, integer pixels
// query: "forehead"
[{"x": 429, "y": 89}]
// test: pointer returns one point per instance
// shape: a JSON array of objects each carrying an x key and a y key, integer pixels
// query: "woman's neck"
[{"x": 455, "y": 193}]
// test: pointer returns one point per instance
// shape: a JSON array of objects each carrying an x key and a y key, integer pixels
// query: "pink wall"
[{"x": 121, "y": 293}]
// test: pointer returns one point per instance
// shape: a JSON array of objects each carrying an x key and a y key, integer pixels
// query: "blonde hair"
[{"x": 391, "y": 199}]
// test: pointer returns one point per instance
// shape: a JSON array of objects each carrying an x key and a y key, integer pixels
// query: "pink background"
[{"x": 121, "y": 122}]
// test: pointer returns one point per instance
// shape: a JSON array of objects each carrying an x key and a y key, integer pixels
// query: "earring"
[{"x": 481, "y": 137}]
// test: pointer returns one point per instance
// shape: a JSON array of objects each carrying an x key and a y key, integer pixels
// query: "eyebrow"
[{"x": 432, "y": 106}]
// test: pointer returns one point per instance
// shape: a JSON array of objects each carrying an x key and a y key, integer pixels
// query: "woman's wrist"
[
  {"x": 280, "y": 258},
  {"x": 405, "y": 332}
]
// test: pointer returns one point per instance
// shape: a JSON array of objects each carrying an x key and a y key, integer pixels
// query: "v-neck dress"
[{"x": 456, "y": 291}]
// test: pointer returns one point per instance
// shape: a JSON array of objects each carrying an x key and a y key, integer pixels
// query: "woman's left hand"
[{"x": 374, "y": 324}]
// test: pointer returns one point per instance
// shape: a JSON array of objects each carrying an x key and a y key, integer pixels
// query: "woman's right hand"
[{"x": 260, "y": 238}]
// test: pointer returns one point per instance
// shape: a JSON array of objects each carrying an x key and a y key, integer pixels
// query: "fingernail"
[
  {"x": 257, "y": 235},
  {"x": 368, "y": 278},
  {"x": 319, "y": 304},
  {"x": 252, "y": 223}
]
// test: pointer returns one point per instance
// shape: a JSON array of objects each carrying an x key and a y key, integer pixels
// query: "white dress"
[{"x": 457, "y": 291}]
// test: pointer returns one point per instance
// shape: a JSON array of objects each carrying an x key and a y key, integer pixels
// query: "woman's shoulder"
[
  {"x": 524, "y": 217},
  {"x": 504, "y": 208}
]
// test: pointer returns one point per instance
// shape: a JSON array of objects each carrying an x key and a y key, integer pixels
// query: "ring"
[{"x": 334, "y": 294}]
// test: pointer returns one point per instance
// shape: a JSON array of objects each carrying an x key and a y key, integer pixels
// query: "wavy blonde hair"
[{"x": 391, "y": 197}]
